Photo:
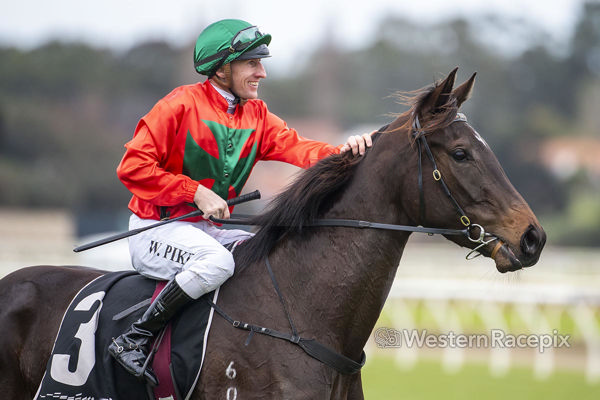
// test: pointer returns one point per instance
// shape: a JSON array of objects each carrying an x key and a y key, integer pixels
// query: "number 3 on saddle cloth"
[{"x": 80, "y": 366}]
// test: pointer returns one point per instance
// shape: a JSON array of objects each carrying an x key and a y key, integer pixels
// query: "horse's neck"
[
  {"x": 338, "y": 278},
  {"x": 338, "y": 293}
]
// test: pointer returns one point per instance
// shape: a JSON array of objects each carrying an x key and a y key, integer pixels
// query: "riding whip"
[{"x": 231, "y": 202}]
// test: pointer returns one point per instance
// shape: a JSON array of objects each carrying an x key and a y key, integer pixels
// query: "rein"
[
  {"x": 243, "y": 219},
  {"x": 481, "y": 237}
]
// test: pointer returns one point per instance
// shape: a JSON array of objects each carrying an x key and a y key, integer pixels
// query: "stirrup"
[
  {"x": 120, "y": 353},
  {"x": 121, "y": 348},
  {"x": 147, "y": 373}
]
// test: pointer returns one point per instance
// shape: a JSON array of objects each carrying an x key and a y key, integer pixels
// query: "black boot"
[{"x": 131, "y": 348}]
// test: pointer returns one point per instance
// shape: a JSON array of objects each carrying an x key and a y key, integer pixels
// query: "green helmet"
[{"x": 225, "y": 41}]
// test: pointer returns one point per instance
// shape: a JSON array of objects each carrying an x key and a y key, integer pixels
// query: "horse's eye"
[{"x": 459, "y": 155}]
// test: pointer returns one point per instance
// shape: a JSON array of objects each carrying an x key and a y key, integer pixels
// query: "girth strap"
[{"x": 316, "y": 350}]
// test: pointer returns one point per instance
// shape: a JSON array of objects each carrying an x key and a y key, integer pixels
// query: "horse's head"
[{"x": 473, "y": 188}]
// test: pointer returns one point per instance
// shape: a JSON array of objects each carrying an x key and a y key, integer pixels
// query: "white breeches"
[{"x": 190, "y": 252}]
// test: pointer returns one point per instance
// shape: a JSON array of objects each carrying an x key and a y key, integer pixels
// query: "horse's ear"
[
  {"x": 463, "y": 92},
  {"x": 440, "y": 95}
]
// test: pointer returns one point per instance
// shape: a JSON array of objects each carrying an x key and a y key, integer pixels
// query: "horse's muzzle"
[
  {"x": 532, "y": 243},
  {"x": 528, "y": 253}
]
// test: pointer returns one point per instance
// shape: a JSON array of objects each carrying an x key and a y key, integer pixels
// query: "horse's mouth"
[{"x": 505, "y": 259}]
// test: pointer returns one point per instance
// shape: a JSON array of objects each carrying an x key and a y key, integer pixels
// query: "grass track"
[{"x": 382, "y": 379}]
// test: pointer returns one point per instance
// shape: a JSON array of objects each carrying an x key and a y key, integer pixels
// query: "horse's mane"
[
  {"x": 316, "y": 189},
  {"x": 311, "y": 194}
]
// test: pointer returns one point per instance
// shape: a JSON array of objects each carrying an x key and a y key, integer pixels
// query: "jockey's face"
[{"x": 245, "y": 77}]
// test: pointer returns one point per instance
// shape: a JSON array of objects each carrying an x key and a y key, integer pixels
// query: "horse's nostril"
[{"x": 531, "y": 241}]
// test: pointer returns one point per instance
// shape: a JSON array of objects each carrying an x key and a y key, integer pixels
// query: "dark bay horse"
[{"x": 335, "y": 280}]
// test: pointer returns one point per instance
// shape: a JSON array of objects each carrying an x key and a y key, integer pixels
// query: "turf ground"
[{"x": 383, "y": 379}]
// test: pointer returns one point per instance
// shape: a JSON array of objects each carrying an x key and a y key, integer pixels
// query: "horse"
[{"x": 428, "y": 167}]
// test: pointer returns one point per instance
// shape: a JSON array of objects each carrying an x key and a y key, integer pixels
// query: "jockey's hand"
[
  {"x": 210, "y": 203},
  {"x": 358, "y": 144}
]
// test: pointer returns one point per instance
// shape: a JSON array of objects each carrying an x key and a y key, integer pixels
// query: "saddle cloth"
[{"x": 80, "y": 367}]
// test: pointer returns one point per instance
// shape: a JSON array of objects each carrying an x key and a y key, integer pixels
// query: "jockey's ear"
[
  {"x": 223, "y": 76},
  {"x": 463, "y": 92}
]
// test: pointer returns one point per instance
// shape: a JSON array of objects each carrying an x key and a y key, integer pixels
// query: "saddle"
[{"x": 81, "y": 368}]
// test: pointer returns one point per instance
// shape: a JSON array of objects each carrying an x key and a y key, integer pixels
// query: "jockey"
[{"x": 196, "y": 148}]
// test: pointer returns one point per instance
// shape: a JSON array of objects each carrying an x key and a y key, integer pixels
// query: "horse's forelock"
[{"x": 417, "y": 101}]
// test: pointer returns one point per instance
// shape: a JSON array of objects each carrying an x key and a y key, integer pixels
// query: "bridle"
[
  {"x": 419, "y": 136},
  {"x": 483, "y": 238}
]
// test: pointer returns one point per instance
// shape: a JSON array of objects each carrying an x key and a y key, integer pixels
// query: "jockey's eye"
[{"x": 459, "y": 155}]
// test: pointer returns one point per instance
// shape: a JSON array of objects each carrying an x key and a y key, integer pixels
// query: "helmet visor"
[
  {"x": 245, "y": 38},
  {"x": 261, "y": 51}
]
